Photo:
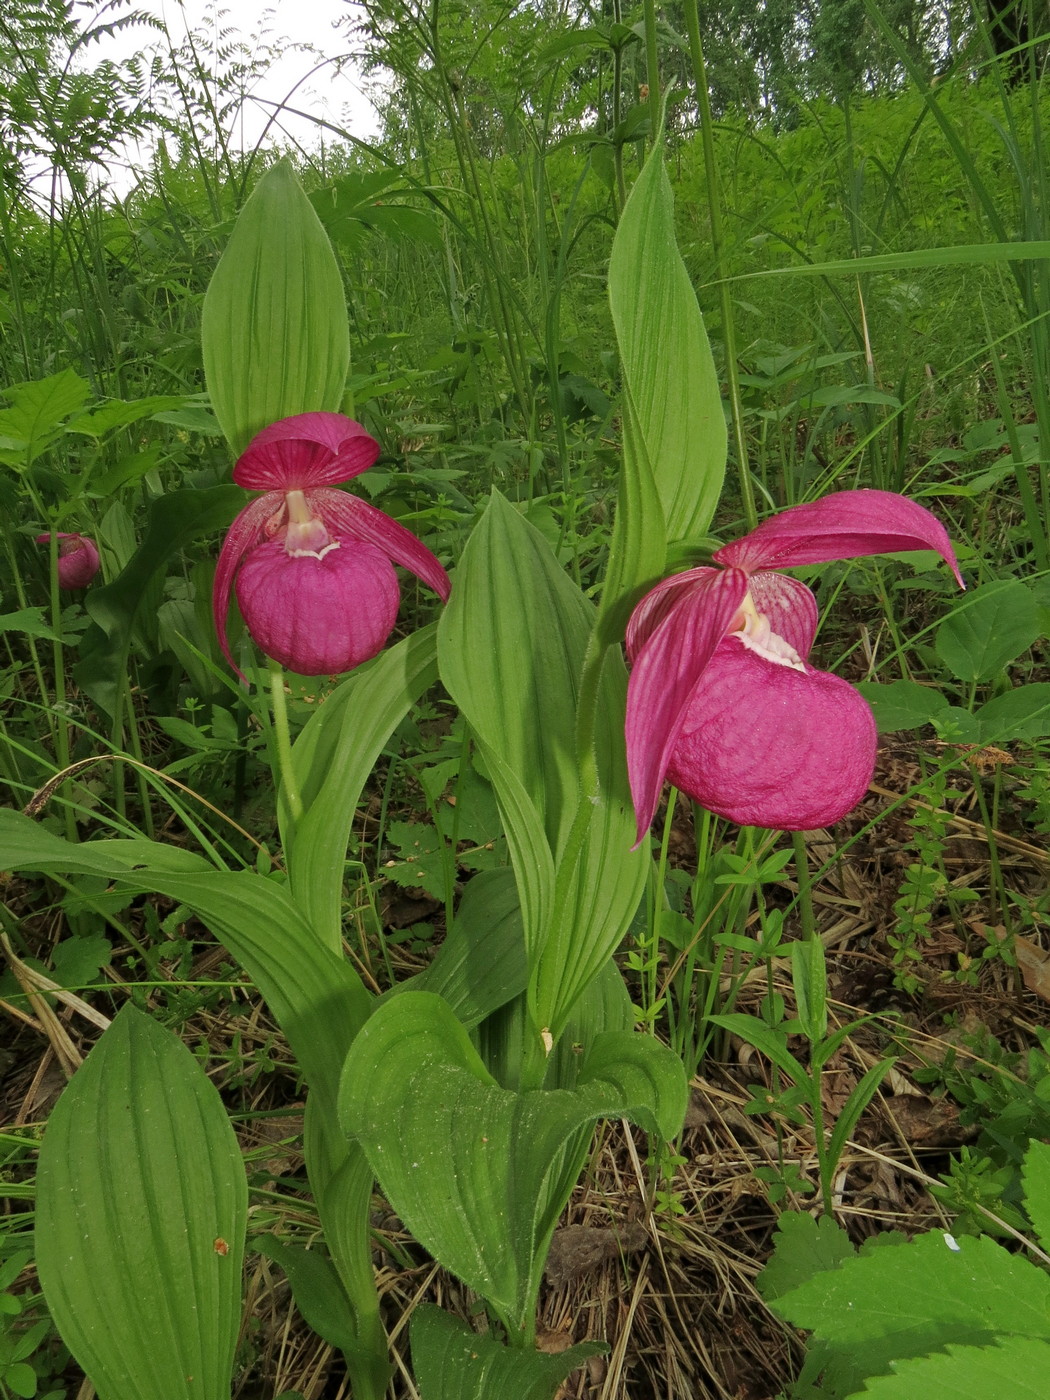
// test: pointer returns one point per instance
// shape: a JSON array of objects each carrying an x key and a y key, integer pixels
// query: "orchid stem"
[
  {"x": 59, "y": 704},
  {"x": 805, "y": 886},
  {"x": 289, "y": 785}
]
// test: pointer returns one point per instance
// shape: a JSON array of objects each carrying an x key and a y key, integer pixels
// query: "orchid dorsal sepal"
[
  {"x": 844, "y": 525},
  {"x": 308, "y": 449}
]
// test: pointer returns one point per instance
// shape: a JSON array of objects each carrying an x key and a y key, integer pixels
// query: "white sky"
[{"x": 336, "y": 96}]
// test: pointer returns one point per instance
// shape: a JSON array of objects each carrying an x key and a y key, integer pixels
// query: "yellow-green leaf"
[{"x": 274, "y": 328}]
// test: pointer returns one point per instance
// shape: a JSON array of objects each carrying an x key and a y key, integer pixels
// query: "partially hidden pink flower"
[
  {"x": 721, "y": 699},
  {"x": 77, "y": 559},
  {"x": 313, "y": 567}
]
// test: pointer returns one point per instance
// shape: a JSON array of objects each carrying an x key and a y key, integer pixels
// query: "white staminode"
[
  {"x": 752, "y": 628},
  {"x": 306, "y": 535}
]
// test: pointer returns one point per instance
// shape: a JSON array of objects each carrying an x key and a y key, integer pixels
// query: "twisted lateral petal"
[
  {"x": 766, "y": 745},
  {"x": 243, "y": 533},
  {"x": 665, "y": 675},
  {"x": 308, "y": 449},
  {"x": 349, "y": 515},
  {"x": 658, "y": 604},
  {"x": 844, "y": 525},
  {"x": 790, "y": 607}
]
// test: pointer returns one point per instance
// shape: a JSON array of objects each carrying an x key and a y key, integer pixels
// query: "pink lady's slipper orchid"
[
  {"x": 721, "y": 700},
  {"x": 314, "y": 577},
  {"x": 77, "y": 559}
]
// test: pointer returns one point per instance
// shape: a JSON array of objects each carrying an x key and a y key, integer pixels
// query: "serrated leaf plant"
[{"x": 935, "y": 1316}]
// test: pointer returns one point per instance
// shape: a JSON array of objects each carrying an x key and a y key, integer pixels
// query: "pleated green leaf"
[
  {"x": 452, "y": 1362},
  {"x": 467, "y": 1164},
  {"x": 511, "y": 643},
  {"x": 511, "y": 648},
  {"x": 602, "y": 896},
  {"x": 316, "y": 997},
  {"x": 666, "y": 356},
  {"x": 26, "y": 845},
  {"x": 481, "y": 964},
  {"x": 142, "y": 1206},
  {"x": 274, "y": 329},
  {"x": 502, "y": 1038},
  {"x": 316, "y": 1288},
  {"x": 333, "y": 757},
  {"x": 344, "y": 1204},
  {"x": 638, "y": 551}
]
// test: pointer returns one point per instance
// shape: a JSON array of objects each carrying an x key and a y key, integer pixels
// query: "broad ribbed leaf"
[
  {"x": 452, "y": 1362},
  {"x": 344, "y": 1204},
  {"x": 333, "y": 757},
  {"x": 26, "y": 845},
  {"x": 666, "y": 356},
  {"x": 466, "y": 1163},
  {"x": 588, "y": 926},
  {"x": 481, "y": 964},
  {"x": 638, "y": 551},
  {"x": 316, "y": 997},
  {"x": 511, "y": 645},
  {"x": 316, "y": 1288},
  {"x": 503, "y": 1038},
  {"x": 530, "y": 853},
  {"x": 142, "y": 1206},
  {"x": 274, "y": 329}
]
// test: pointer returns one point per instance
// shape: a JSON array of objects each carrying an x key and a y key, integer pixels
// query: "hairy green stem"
[
  {"x": 289, "y": 784},
  {"x": 59, "y": 702},
  {"x": 805, "y": 885}
]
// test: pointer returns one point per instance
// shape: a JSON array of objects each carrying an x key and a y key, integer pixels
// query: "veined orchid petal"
[
  {"x": 352, "y": 516},
  {"x": 665, "y": 674},
  {"x": 658, "y": 604},
  {"x": 771, "y": 746},
  {"x": 844, "y": 525},
  {"x": 244, "y": 532},
  {"x": 790, "y": 607},
  {"x": 306, "y": 450}
]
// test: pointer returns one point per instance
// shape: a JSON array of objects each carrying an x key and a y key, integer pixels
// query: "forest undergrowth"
[{"x": 859, "y": 1008}]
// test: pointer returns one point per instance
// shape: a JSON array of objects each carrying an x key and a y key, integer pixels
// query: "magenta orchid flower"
[
  {"x": 721, "y": 699},
  {"x": 314, "y": 567},
  {"x": 77, "y": 559}
]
